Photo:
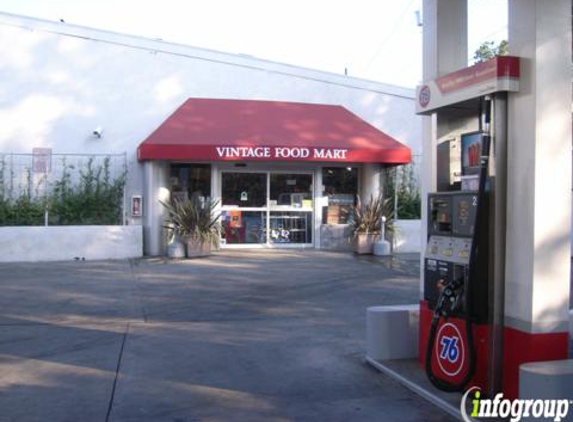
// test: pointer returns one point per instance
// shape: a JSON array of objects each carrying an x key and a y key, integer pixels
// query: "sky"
[{"x": 372, "y": 39}]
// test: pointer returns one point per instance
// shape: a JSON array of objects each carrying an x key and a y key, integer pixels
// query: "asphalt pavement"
[{"x": 273, "y": 336}]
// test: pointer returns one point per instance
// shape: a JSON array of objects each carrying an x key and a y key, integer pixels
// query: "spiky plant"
[
  {"x": 194, "y": 218},
  {"x": 367, "y": 218}
]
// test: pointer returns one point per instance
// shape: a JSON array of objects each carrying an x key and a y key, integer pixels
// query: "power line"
[
  {"x": 390, "y": 34},
  {"x": 163, "y": 49},
  {"x": 495, "y": 32}
]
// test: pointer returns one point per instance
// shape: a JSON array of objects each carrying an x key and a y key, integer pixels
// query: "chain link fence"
[{"x": 62, "y": 189}]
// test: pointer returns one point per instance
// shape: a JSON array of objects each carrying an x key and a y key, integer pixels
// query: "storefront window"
[
  {"x": 244, "y": 189},
  {"x": 291, "y": 190},
  {"x": 188, "y": 179},
  {"x": 341, "y": 188},
  {"x": 244, "y": 227}
]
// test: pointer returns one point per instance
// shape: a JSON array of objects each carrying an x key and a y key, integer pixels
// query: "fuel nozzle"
[{"x": 450, "y": 297}]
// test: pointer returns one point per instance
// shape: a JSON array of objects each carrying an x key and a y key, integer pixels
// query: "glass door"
[
  {"x": 270, "y": 208},
  {"x": 244, "y": 208},
  {"x": 291, "y": 208}
]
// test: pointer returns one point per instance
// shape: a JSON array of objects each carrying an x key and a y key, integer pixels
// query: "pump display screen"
[
  {"x": 464, "y": 214},
  {"x": 440, "y": 215},
  {"x": 471, "y": 150}
]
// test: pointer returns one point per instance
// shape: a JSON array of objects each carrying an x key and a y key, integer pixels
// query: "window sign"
[{"x": 244, "y": 189}]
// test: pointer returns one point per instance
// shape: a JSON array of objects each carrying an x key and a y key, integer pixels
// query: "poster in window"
[
  {"x": 471, "y": 151},
  {"x": 235, "y": 219}
]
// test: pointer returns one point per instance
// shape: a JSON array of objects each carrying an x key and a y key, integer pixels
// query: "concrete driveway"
[{"x": 239, "y": 336}]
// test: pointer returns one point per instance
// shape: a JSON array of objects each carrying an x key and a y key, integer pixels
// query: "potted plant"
[
  {"x": 367, "y": 222},
  {"x": 195, "y": 222}
]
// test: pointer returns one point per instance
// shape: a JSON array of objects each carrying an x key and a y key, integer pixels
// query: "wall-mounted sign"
[
  {"x": 277, "y": 153},
  {"x": 136, "y": 206},
  {"x": 42, "y": 160},
  {"x": 495, "y": 75}
]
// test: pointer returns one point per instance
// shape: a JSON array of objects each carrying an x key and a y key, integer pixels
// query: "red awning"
[{"x": 248, "y": 130}]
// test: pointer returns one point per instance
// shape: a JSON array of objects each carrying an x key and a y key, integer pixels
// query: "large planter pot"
[
  {"x": 176, "y": 249},
  {"x": 197, "y": 248},
  {"x": 364, "y": 243}
]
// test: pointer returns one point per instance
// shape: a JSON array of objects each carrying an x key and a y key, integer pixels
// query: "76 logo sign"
[{"x": 450, "y": 349}]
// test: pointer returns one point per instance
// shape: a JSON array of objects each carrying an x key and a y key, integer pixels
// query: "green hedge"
[
  {"x": 409, "y": 205},
  {"x": 96, "y": 199},
  {"x": 22, "y": 212}
]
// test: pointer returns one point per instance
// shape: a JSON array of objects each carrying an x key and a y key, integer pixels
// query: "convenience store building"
[
  {"x": 285, "y": 149},
  {"x": 286, "y": 174}
]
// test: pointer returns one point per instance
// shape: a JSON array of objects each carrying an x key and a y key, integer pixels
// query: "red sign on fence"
[{"x": 42, "y": 160}]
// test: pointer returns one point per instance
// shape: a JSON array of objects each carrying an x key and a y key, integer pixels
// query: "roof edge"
[{"x": 192, "y": 52}]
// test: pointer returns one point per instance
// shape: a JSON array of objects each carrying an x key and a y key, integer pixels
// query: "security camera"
[{"x": 98, "y": 131}]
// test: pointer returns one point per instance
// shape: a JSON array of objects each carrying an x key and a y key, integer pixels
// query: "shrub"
[
  {"x": 402, "y": 186},
  {"x": 96, "y": 199}
]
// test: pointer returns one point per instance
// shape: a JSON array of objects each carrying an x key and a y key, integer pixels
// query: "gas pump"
[
  {"x": 456, "y": 282},
  {"x": 460, "y": 308}
]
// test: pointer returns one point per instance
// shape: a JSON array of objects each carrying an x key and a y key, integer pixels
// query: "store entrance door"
[{"x": 267, "y": 209}]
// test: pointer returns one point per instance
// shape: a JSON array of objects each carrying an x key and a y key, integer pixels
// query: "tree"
[{"x": 487, "y": 50}]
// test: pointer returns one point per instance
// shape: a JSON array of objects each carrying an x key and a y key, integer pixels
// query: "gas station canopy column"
[{"x": 539, "y": 186}]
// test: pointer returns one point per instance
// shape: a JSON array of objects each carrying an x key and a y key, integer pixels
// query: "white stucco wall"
[
  {"x": 407, "y": 236},
  {"x": 62, "y": 243}
]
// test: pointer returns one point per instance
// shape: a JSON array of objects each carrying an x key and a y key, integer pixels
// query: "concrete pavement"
[{"x": 239, "y": 336}]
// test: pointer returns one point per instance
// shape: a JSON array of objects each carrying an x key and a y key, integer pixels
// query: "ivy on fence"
[
  {"x": 402, "y": 185},
  {"x": 94, "y": 199}
]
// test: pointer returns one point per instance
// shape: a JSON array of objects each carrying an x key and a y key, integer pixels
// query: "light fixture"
[{"x": 97, "y": 132}]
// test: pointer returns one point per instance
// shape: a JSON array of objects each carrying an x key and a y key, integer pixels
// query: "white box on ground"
[
  {"x": 551, "y": 380},
  {"x": 392, "y": 331}
]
